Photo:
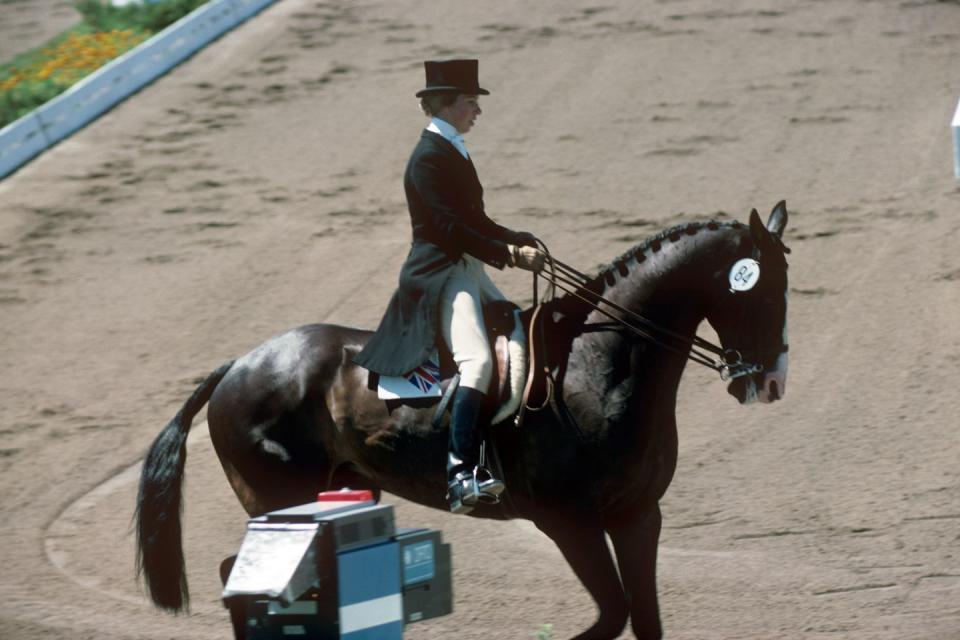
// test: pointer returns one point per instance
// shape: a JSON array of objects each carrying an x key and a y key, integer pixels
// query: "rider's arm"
[{"x": 445, "y": 223}]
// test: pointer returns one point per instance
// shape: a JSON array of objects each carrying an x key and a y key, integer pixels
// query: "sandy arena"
[{"x": 258, "y": 187}]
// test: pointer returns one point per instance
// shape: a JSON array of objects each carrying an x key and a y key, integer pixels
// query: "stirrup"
[
  {"x": 486, "y": 487},
  {"x": 470, "y": 488},
  {"x": 457, "y": 492}
]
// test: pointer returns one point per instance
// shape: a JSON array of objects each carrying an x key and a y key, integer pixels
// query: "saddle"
[{"x": 432, "y": 382}]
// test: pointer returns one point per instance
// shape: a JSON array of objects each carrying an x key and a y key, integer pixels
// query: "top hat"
[{"x": 452, "y": 76}]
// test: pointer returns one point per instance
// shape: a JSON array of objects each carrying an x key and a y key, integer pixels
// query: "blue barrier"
[
  {"x": 20, "y": 141},
  {"x": 29, "y": 136}
]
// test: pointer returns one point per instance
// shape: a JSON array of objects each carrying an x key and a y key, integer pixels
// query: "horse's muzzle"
[{"x": 766, "y": 386}]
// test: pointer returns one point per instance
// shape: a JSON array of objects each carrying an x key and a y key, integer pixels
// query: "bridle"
[{"x": 729, "y": 363}]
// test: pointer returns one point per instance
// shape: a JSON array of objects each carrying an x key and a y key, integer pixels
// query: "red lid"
[{"x": 346, "y": 495}]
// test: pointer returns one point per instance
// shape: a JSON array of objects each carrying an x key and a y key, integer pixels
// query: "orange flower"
[{"x": 76, "y": 56}]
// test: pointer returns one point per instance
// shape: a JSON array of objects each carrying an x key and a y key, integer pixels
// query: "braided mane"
[
  {"x": 608, "y": 273},
  {"x": 607, "y": 276}
]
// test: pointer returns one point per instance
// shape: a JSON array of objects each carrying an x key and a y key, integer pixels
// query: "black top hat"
[{"x": 457, "y": 76}]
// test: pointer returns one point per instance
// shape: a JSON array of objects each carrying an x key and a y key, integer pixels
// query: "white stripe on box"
[{"x": 371, "y": 613}]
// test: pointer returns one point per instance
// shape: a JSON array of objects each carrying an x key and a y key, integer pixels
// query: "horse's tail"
[{"x": 159, "y": 546}]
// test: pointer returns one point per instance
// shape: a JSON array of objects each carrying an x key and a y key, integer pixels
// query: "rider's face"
[{"x": 463, "y": 113}]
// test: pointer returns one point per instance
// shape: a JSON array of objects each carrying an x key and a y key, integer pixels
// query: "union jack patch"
[
  {"x": 425, "y": 376},
  {"x": 422, "y": 382}
]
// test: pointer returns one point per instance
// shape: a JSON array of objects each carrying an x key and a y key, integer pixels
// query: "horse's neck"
[{"x": 665, "y": 282}]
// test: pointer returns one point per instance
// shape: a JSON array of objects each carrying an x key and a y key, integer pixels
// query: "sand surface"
[
  {"x": 258, "y": 187},
  {"x": 25, "y": 24}
]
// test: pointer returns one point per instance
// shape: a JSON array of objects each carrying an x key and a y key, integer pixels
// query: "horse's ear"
[
  {"x": 759, "y": 233},
  {"x": 777, "y": 221},
  {"x": 767, "y": 237}
]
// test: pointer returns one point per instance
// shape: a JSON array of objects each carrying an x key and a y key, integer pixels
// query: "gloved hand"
[
  {"x": 527, "y": 258},
  {"x": 524, "y": 239}
]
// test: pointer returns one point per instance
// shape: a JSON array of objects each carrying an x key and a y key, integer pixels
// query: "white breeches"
[{"x": 461, "y": 320}]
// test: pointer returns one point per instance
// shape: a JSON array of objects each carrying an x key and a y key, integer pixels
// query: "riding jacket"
[{"x": 445, "y": 200}]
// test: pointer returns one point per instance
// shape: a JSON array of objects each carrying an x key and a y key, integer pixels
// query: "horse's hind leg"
[
  {"x": 265, "y": 474},
  {"x": 279, "y": 463},
  {"x": 585, "y": 548},
  {"x": 635, "y": 542}
]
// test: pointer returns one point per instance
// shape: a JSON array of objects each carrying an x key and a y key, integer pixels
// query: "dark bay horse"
[{"x": 295, "y": 416}]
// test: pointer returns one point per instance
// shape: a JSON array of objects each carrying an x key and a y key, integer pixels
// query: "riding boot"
[{"x": 468, "y": 482}]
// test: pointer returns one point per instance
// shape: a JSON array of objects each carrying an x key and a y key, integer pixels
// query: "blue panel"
[
  {"x": 392, "y": 631},
  {"x": 79, "y": 105},
  {"x": 418, "y": 562},
  {"x": 368, "y": 573},
  {"x": 20, "y": 141}
]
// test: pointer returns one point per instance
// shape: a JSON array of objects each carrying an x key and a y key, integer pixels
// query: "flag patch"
[{"x": 422, "y": 382}]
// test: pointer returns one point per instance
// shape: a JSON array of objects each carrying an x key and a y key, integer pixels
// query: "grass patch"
[
  {"x": 543, "y": 632},
  {"x": 105, "y": 32}
]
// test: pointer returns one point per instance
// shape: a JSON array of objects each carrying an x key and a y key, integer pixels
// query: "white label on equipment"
[
  {"x": 744, "y": 274},
  {"x": 371, "y": 613}
]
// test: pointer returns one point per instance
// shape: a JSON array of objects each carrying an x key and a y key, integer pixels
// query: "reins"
[
  {"x": 564, "y": 277},
  {"x": 558, "y": 275}
]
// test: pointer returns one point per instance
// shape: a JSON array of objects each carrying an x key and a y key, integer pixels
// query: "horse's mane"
[
  {"x": 572, "y": 305},
  {"x": 608, "y": 273}
]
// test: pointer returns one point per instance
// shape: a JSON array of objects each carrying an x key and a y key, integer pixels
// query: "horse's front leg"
[
  {"x": 635, "y": 539},
  {"x": 584, "y": 546}
]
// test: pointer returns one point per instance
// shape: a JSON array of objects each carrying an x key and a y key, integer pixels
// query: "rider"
[{"x": 443, "y": 282}]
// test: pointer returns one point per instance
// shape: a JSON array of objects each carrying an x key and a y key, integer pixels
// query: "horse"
[{"x": 296, "y": 416}]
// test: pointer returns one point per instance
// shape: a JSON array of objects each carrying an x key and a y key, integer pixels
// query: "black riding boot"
[{"x": 468, "y": 483}]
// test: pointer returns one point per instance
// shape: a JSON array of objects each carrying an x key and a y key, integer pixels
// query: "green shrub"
[{"x": 23, "y": 99}]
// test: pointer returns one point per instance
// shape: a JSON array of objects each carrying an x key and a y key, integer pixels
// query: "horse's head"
[{"x": 751, "y": 317}]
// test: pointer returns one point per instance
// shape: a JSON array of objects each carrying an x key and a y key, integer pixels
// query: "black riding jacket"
[{"x": 445, "y": 200}]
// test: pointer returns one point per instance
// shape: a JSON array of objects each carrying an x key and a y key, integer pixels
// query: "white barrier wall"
[{"x": 88, "y": 99}]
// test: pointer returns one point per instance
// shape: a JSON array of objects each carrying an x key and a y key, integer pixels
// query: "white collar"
[
  {"x": 444, "y": 128},
  {"x": 449, "y": 133}
]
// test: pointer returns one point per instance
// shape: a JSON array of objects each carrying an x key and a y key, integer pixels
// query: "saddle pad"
[{"x": 422, "y": 382}]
